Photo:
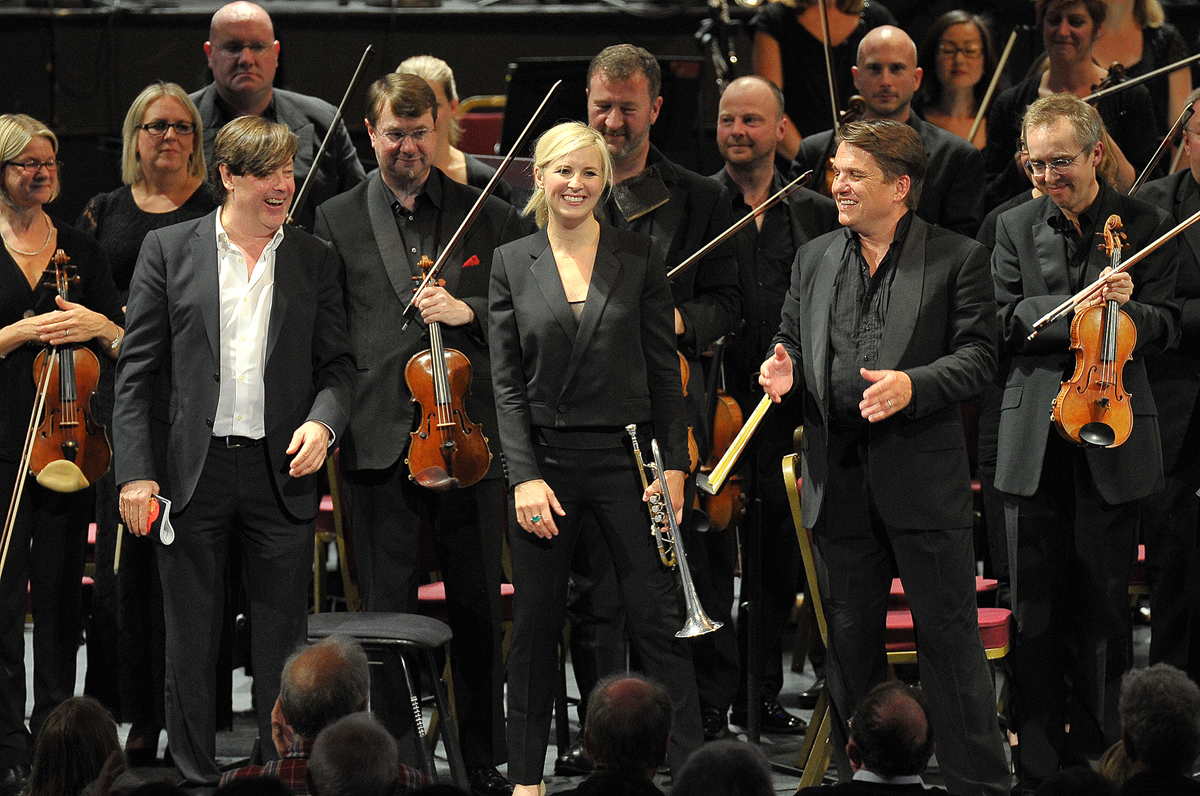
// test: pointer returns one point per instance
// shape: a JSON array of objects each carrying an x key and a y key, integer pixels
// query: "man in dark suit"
[
  {"x": 381, "y": 229},
  {"x": 1071, "y": 512},
  {"x": 259, "y": 307},
  {"x": 891, "y": 741},
  {"x": 749, "y": 126},
  {"x": 886, "y": 329},
  {"x": 887, "y": 76},
  {"x": 1171, "y": 518},
  {"x": 243, "y": 54}
]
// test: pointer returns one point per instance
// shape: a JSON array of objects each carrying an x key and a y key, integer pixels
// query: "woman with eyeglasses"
[
  {"x": 957, "y": 60},
  {"x": 162, "y": 167},
  {"x": 1070, "y": 29},
  {"x": 49, "y": 538}
]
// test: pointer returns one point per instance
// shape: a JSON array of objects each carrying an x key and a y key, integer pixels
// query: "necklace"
[{"x": 45, "y": 243}]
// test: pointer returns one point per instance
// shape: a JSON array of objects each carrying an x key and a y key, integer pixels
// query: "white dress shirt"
[{"x": 245, "y": 312}]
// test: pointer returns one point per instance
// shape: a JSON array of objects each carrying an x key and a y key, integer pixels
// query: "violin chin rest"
[{"x": 62, "y": 476}]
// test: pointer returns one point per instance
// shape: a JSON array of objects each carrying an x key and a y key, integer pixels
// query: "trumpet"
[{"x": 669, "y": 540}]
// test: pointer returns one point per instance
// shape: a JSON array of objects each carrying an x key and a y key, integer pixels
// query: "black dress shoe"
[
  {"x": 775, "y": 719},
  {"x": 808, "y": 699},
  {"x": 574, "y": 762},
  {"x": 12, "y": 780},
  {"x": 715, "y": 727},
  {"x": 487, "y": 781}
]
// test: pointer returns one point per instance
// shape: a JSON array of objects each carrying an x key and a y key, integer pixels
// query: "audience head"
[
  {"x": 628, "y": 724},
  {"x": 354, "y": 756},
  {"x": 168, "y": 150},
  {"x": 402, "y": 114},
  {"x": 886, "y": 73},
  {"x": 164, "y": 788},
  {"x": 1160, "y": 719},
  {"x": 75, "y": 740},
  {"x": 1115, "y": 765},
  {"x": 1076, "y": 781},
  {"x": 957, "y": 52},
  {"x": 440, "y": 77},
  {"x": 750, "y": 122},
  {"x": 323, "y": 682},
  {"x": 556, "y": 144},
  {"x": 624, "y": 97},
  {"x": 243, "y": 55},
  {"x": 891, "y": 733},
  {"x": 252, "y": 159},
  {"x": 725, "y": 768},
  {"x": 23, "y": 139},
  {"x": 892, "y": 147},
  {"x": 1063, "y": 137}
]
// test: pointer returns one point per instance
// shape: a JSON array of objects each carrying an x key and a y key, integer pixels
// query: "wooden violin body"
[
  {"x": 1092, "y": 409},
  {"x": 725, "y": 507},
  {"x": 447, "y": 450},
  {"x": 69, "y": 449}
]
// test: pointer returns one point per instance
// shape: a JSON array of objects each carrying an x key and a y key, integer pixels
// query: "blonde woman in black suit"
[{"x": 582, "y": 344}]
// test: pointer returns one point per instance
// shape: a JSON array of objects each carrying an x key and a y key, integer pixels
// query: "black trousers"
[
  {"x": 1070, "y": 558},
  {"x": 856, "y": 551},
  {"x": 235, "y": 503},
  {"x": 604, "y": 484},
  {"x": 49, "y": 542},
  {"x": 468, "y": 526}
]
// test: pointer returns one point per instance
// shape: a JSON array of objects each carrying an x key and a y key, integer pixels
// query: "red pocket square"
[{"x": 473, "y": 261}]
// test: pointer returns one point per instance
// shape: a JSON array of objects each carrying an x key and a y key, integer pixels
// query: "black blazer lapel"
[
  {"x": 387, "y": 238},
  {"x": 1048, "y": 244},
  {"x": 1187, "y": 202},
  {"x": 820, "y": 308},
  {"x": 286, "y": 282},
  {"x": 904, "y": 302},
  {"x": 449, "y": 220},
  {"x": 204, "y": 262},
  {"x": 605, "y": 272}
]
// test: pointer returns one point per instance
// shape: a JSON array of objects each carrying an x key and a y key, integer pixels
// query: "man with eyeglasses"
[
  {"x": 1072, "y": 512},
  {"x": 243, "y": 55},
  {"x": 1171, "y": 518},
  {"x": 887, "y": 77},
  {"x": 381, "y": 228}
]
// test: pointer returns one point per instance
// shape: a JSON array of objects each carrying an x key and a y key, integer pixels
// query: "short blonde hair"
[
  {"x": 555, "y": 144},
  {"x": 17, "y": 130},
  {"x": 250, "y": 145},
  {"x": 131, "y": 164},
  {"x": 434, "y": 70}
]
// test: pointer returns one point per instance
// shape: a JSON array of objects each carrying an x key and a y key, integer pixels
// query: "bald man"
[
  {"x": 243, "y": 55},
  {"x": 887, "y": 77}
]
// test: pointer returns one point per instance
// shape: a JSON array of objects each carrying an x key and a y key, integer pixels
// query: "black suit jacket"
[
  {"x": 309, "y": 118},
  {"x": 1175, "y": 374},
  {"x": 1029, "y": 270},
  {"x": 169, "y": 371},
  {"x": 861, "y": 788},
  {"x": 939, "y": 330},
  {"x": 378, "y": 285},
  {"x": 617, "y": 366},
  {"x": 952, "y": 193}
]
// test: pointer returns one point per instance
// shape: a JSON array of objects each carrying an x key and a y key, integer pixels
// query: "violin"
[
  {"x": 70, "y": 448},
  {"x": 685, "y": 372},
  {"x": 1092, "y": 409},
  {"x": 447, "y": 450},
  {"x": 725, "y": 419},
  {"x": 1115, "y": 76}
]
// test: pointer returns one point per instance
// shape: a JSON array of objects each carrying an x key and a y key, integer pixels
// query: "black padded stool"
[{"x": 385, "y": 636}]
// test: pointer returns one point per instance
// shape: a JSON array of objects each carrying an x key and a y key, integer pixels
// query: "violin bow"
[
  {"x": 410, "y": 309},
  {"x": 1136, "y": 81},
  {"x": 298, "y": 201},
  {"x": 1183, "y": 119},
  {"x": 833, "y": 103},
  {"x": 1070, "y": 304},
  {"x": 778, "y": 196},
  {"x": 991, "y": 89}
]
